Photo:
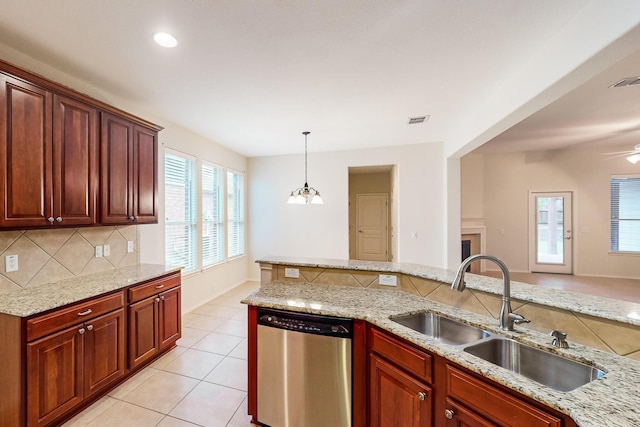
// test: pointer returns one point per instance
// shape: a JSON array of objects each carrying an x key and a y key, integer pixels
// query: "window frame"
[
  {"x": 239, "y": 198},
  {"x": 221, "y": 214},
  {"x": 616, "y": 221},
  {"x": 191, "y": 224}
]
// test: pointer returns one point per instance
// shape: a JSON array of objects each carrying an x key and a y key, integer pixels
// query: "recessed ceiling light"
[{"x": 165, "y": 39}]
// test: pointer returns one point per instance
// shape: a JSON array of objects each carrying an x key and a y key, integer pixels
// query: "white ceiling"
[{"x": 252, "y": 75}]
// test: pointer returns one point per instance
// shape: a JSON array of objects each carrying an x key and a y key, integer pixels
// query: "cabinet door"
[
  {"x": 25, "y": 154},
  {"x": 169, "y": 317},
  {"x": 459, "y": 416},
  {"x": 143, "y": 331},
  {"x": 54, "y": 375},
  {"x": 397, "y": 399},
  {"x": 116, "y": 169},
  {"x": 75, "y": 168},
  {"x": 145, "y": 176},
  {"x": 103, "y": 351}
]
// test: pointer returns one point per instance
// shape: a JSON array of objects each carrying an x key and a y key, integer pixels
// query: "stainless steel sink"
[
  {"x": 441, "y": 328},
  {"x": 546, "y": 368}
]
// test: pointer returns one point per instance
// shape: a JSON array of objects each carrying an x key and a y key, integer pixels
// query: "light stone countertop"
[
  {"x": 611, "y": 401},
  {"x": 606, "y": 308},
  {"x": 30, "y": 301}
]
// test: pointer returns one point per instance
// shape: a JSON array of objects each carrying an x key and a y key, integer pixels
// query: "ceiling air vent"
[
  {"x": 627, "y": 81},
  {"x": 416, "y": 120}
]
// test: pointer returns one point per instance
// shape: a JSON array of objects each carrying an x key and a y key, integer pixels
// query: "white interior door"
[
  {"x": 372, "y": 227},
  {"x": 550, "y": 232}
]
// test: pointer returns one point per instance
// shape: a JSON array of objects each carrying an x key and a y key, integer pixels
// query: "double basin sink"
[{"x": 538, "y": 365}]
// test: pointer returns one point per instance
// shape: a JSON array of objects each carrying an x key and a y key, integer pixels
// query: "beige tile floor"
[{"x": 201, "y": 382}]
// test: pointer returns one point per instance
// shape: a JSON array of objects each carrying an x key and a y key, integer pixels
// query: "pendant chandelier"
[{"x": 305, "y": 195}]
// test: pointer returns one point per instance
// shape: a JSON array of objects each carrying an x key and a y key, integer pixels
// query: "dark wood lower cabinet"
[
  {"x": 154, "y": 325},
  {"x": 56, "y": 363},
  {"x": 396, "y": 398},
  {"x": 68, "y": 366},
  {"x": 459, "y": 416},
  {"x": 409, "y": 387}
]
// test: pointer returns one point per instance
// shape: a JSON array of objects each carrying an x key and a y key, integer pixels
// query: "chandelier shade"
[{"x": 305, "y": 195}]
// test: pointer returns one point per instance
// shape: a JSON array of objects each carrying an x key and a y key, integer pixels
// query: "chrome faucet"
[{"x": 507, "y": 317}]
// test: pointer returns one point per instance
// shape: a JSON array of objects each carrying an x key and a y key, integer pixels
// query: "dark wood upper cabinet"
[
  {"x": 64, "y": 164},
  {"x": 75, "y": 161},
  {"x": 25, "y": 153},
  {"x": 129, "y": 177}
]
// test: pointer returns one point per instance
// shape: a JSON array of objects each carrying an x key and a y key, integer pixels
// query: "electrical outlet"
[
  {"x": 130, "y": 246},
  {"x": 98, "y": 251},
  {"x": 292, "y": 273},
  {"x": 11, "y": 263},
  {"x": 388, "y": 280},
  {"x": 106, "y": 250}
]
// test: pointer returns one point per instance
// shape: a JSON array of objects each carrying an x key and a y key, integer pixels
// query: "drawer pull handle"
[
  {"x": 81, "y": 331},
  {"x": 448, "y": 413},
  {"x": 159, "y": 286},
  {"x": 84, "y": 313},
  {"x": 422, "y": 395},
  {"x": 89, "y": 327}
]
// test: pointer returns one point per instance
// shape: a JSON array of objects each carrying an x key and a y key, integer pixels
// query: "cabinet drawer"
[
  {"x": 56, "y": 320},
  {"x": 494, "y": 404},
  {"x": 414, "y": 361},
  {"x": 140, "y": 292}
]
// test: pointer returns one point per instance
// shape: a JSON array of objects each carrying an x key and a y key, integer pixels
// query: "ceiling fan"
[{"x": 632, "y": 156}]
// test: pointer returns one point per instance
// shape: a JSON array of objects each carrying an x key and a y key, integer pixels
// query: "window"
[
  {"x": 212, "y": 214},
  {"x": 180, "y": 210},
  {"x": 235, "y": 213},
  {"x": 625, "y": 213}
]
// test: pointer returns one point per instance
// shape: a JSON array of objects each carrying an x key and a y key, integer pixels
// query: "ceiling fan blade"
[
  {"x": 621, "y": 153},
  {"x": 611, "y": 156}
]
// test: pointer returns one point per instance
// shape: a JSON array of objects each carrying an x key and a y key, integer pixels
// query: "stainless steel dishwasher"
[{"x": 304, "y": 369}]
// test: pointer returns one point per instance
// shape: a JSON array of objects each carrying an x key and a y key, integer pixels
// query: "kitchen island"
[{"x": 611, "y": 400}]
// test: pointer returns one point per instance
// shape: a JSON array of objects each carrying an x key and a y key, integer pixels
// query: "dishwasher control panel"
[{"x": 306, "y": 323}]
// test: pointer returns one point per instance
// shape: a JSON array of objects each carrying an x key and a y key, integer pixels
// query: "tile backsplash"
[
  {"x": 606, "y": 335},
  {"x": 46, "y": 256}
]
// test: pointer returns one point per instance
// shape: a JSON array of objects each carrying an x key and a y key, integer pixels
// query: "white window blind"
[
  {"x": 212, "y": 214},
  {"x": 625, "y": 213},
  {"x": 180, "y": 210},
  {"x": 235, "y": 213}
]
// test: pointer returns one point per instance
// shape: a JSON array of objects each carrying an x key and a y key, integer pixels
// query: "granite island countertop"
[
  {"x": 612, "y": 400},
  {"x": 30, "y": 301},
  {"x": 606, "y": 308}
]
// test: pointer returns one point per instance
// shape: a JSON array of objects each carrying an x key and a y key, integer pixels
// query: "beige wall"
[
  {"x": 46, "y": 256},
  {"x": 508, "y": 179}
]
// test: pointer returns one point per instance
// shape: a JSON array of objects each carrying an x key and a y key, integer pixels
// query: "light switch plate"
[
  {"x": 106, "y": 251},
  {"x": 388, "y": 280},
  {"x": 292, "y": 273},
  {"x": 11, "y": 263},
  {"x": 98, "y": 251},
  {"x": 130, "y": 246}
]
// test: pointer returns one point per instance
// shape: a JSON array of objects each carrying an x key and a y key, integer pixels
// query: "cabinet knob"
[
  {"x": 50, "y": 219},
  {"x": 422, "y": 395},
  {"x": 448, "y": 413},
  {"x": 59, "y": 219},
  {"x": 162, "y": 297},
  {"x": 132, "y": 218},
  {"x": 157, "y": 299},
  {"x": 89, "y": 327},
  {"x": 81, "y": 331}
]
